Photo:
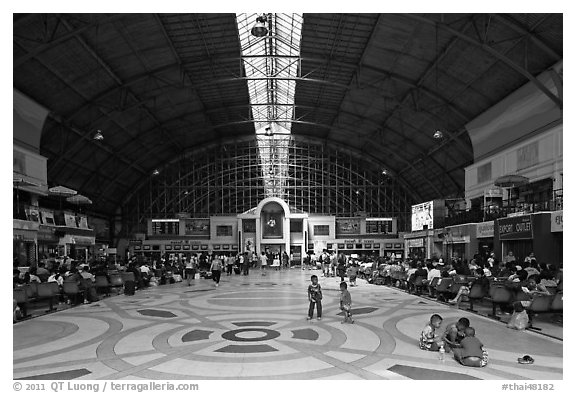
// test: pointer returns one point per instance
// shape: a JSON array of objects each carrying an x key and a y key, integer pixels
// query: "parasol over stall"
[
  {"x": 511, "y": 181},
  {"x": 79, "y": 199},
  {"x": 62, "y": 192}
]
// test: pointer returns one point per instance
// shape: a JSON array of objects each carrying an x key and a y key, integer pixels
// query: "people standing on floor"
[
  {"x": 285, "y": 260},
  {"x": 341, "y": 269},
  {"x": 263, "y": 263},
  {"x": 229, "y": 264},
  {"x": 246, "y": 263},
  {"x": 241, "y": 261},
  {"x": 346, "y": 303},
  {"x": 216, "y": 269},
  {"x": 315, "y": 298},
  {"x": 189, "y": 270}
]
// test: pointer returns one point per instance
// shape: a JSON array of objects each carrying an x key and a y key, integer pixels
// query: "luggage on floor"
[
  {"x": 129, "y": 288},
  {"x": 92, "y": 294},
  {"x": 236, "y": 270}
]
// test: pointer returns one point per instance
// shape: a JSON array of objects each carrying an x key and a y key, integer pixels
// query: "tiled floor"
[{"x": 255, "y": 327}]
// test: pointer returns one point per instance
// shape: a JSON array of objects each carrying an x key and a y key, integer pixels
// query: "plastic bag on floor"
[{"x": 519, "y": 320}]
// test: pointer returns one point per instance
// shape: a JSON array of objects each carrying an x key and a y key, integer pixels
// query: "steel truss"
[{"x": 228, "y": 179}]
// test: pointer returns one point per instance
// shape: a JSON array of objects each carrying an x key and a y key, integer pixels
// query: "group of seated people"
[
  {"x": 529, "y": 277},
  {"x": 84, "y": 275}
]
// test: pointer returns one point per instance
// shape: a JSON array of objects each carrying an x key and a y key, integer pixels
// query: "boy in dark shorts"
[
  {"x": 315, "y": 298},
  {"x": 471, "y": 352}
]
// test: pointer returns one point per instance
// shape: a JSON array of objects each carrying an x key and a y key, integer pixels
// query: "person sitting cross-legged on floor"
[{"x": 471, "y": 352}]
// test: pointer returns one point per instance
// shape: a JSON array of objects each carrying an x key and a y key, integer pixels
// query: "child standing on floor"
[
  {"x": 346, "y": 303},
  {"x": 429, "y": 340},
  {"x": 315, "y": 298}
]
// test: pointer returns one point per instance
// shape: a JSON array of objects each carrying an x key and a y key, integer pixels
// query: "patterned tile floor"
[{"x": 255, "y": 327}]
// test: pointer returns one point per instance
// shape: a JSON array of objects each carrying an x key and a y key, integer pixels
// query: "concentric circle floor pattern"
[{"x": 255, "y": 327}]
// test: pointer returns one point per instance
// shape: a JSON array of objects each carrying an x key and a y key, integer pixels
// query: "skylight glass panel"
[{"x": 271, "y": 68}]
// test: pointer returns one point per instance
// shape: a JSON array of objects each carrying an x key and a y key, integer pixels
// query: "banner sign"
[
  {"x": 556, "y": 222},
  {"x": 347, "y": 226},
  {"x": 422, "y": 215},
  {"x": 485, "y": 229},
  {"x": 415, "y": 243},
  {"x": 511, "y": 228},
  {"x": 197, "y": 227}
]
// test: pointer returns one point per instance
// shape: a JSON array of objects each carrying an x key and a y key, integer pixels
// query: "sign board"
[
  {"x": 348, "y": 226},
  {"x": 485, "y": 229},
  {"x": 556, "y": 221},
  {"x": 512, "y": 228},
  {"x": 415, "y": 243},
  {"x": 422, "y": 215}
]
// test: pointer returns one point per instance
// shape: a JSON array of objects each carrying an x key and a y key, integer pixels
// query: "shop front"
[
  {"x": 416, "y": 248},
  {"x": 394, "y": 250},
  {"x": 515, "y": 235},
  {"x": 418, "y": 244},
  {"x": 557, "y": 231},
  {"x": 460, "y": 241},
  {"x": 78, "y": 247},
  {"x": 47, "y": 244},
  {"x": 485, "y": 238},
  {"x": 24, "y": 246}
]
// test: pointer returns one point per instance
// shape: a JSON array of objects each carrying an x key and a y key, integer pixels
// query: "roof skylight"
[{"x": 271, "y": 68}]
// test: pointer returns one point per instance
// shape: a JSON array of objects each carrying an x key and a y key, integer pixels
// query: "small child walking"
[
  {"x": 315, "y": 298},
  {"x": 346, "y": 303}
]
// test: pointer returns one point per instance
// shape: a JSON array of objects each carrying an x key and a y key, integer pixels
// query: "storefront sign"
[
  {"x": 556, "y": 224},
  {"x": 456, "y": 238},
  {"x": 415, "y": 243},
  {"x": 511, "y": 228},
  {"x": 485, "y": 229},
  {"x": 347, "y": 226}
]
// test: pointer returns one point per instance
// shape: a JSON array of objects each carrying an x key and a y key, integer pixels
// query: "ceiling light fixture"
[
  {"x": 384, "y": 172},
  {"x": 98, "y": 136},
  {"x": 156, "y": 172},
  {"x": 268, "y": 131},
  {"x": 438, "y": 134},
  {"x": 260, "y": 29}
]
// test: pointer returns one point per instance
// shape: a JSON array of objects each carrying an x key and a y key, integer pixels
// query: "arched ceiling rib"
[{"x": 160, "y": 85}]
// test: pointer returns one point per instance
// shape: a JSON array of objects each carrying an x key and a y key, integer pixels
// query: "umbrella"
[
  {"x": 79, "y": 199},
  {"x": 511, "y": 181},
  {"x": 62, "y": 191}
]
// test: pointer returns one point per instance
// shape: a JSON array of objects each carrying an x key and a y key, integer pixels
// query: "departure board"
[
  {"x": 379, "y": 227},
  {"x": 168, "y": 227}
]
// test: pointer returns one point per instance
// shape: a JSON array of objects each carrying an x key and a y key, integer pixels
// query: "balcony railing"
[{"x": 491, "y": 213}]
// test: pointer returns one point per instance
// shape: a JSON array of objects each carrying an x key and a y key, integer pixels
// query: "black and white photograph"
[{"x": 372, "y": 199}]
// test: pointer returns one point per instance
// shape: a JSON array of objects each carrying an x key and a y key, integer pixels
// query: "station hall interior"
[{"x": 360, "y": 148}]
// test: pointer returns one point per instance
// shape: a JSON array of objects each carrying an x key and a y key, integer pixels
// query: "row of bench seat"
[
  {"x": 50, "y": 291},
  {"x": 444, "y": 289}
]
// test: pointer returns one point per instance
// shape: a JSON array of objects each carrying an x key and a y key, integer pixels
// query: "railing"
[{"x": 492, "y": 213}]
